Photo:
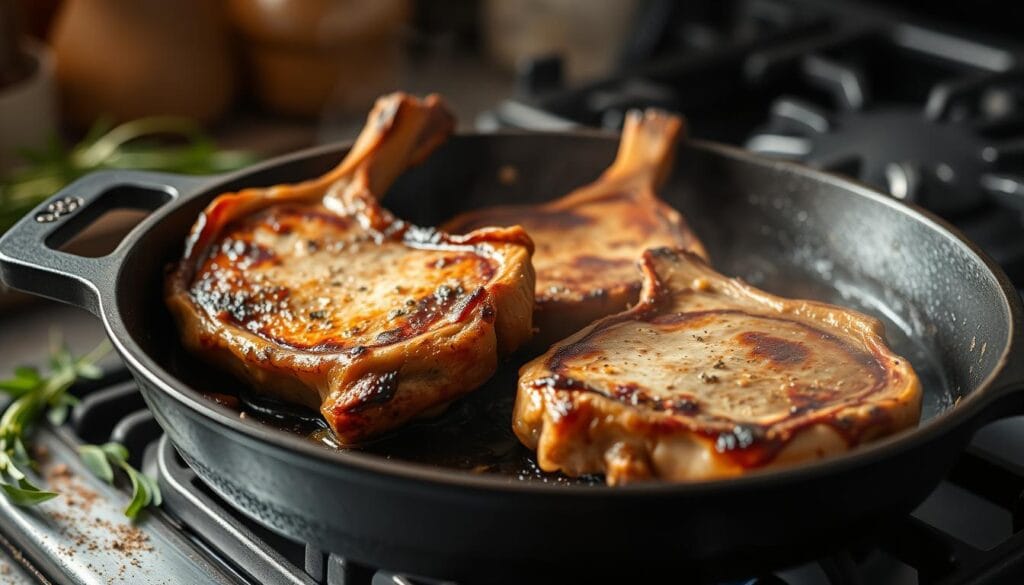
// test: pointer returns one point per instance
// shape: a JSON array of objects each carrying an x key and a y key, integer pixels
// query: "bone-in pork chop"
[
  {"x": 588, "y": 242},
  {"x": 317, "y": 295},
  {"x": 709, "y": 377}
]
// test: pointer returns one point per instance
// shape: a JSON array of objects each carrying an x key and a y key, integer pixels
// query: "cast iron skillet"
[{"x": 786, "y": 228}]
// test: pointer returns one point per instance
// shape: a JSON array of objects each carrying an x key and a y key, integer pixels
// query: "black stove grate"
[{"x": 928, "y": 115}]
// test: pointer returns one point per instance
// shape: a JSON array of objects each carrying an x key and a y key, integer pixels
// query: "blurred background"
[{"x": 270, "y": 76}]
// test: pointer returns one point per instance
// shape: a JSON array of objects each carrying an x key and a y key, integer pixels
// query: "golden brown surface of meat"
[
  {"x": 588, "y": 242},
  {"x": 317, "y": 295},
  {"x": 708, "y": 377}
]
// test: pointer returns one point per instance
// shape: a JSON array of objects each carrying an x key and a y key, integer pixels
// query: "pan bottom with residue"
[{"x": 473, "y": 434}]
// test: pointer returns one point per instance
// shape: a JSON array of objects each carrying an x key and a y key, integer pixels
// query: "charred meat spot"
[
  {"x": 370, "y": 390},
  {"x": 775, "y": 349},
  {"x": 488, "y": 312},
  {"x": 664, "y": 252},
  {"x": 317, "y": 315},
  {"x": 447, "y": 293},
  {"x": 358, "y": 350},
  {"x": 684, "y": 405},
  {"x": 803, "y": 399},
  {"x": 244, "y": 253},
  {"x": 559, "y": 382},
  {"x": 738, "y": 438},
  {"x": 390, "y": 336},
  {"x": 630, "y": 393},
  {"x": 228, "y": 299},
  {"x": 708, "y": 378}
]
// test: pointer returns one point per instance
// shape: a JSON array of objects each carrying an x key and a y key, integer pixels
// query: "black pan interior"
[{"x": 783, "y": 229}]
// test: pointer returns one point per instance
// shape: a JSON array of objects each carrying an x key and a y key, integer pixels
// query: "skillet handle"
[{"x": 29, "y": 257}]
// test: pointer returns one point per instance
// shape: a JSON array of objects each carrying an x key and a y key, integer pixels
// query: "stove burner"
[{"x": 952, "y": 156}]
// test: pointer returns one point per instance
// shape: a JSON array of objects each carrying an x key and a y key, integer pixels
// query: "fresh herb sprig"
[
  {"x": 33, "y": 394},
  {"x": 101, "y": 460},
  {"x": 138, "y": 144}
]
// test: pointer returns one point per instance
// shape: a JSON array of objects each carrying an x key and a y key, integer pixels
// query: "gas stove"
[
  {"x": 925, "y": 111},
  {"x": 927, "y": 114}
]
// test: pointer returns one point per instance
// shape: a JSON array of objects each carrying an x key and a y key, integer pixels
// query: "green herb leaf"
[
  {"x": 117, "y": 452},
  {"x": 36, "y": 395},
  {"x": 141, "y": 496},
  {"x": 95, "y": 459},
  {"x": 20, "y": 454},
  {"x": 26, "y": 496},
  {"x": 25, "y": 380},
  {"x": 159, "y": 143},
  {"x": 100, "y": 459}
]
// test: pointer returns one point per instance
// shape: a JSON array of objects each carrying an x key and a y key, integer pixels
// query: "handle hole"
[{"x": 97, "y": 229}]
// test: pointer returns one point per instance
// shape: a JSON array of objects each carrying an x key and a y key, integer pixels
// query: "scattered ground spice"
[
  {"x": 58, "y": 472},
  {"x": 88, "y": 533},
  {"x": 75, "y": 493},
  {"x": 708, "y": 378}
]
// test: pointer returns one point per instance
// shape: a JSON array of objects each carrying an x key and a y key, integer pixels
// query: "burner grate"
[{"x": 926, "y": 115}]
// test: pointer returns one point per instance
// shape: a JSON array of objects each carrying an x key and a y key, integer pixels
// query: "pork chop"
[
  {"x": 708, "y": 377},
  {"x": 317, "y": 295},
  {"x": 588, "y": 241}
]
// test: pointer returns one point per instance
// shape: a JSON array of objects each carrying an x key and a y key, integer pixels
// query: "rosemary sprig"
[
  {"x": 33, "y": 394},
  {"x": 139, "y": 144},
  {"x": 101, "y": 459}
]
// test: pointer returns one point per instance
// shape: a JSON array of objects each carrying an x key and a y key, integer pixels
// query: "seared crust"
[
  {"x": 709, "y": 377},
  {"x": 588, "y": 241},
  {"x": 317, "y": 295}
]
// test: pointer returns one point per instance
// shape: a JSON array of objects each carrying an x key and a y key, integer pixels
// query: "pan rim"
[{"x": 425, "y": 475}]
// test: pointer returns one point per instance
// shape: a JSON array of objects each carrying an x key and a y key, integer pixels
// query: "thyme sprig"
[
  {"x": 101, "y": 460},
  {"x": 161, "y": 143},
  {"x": 34, "y": 394}
]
